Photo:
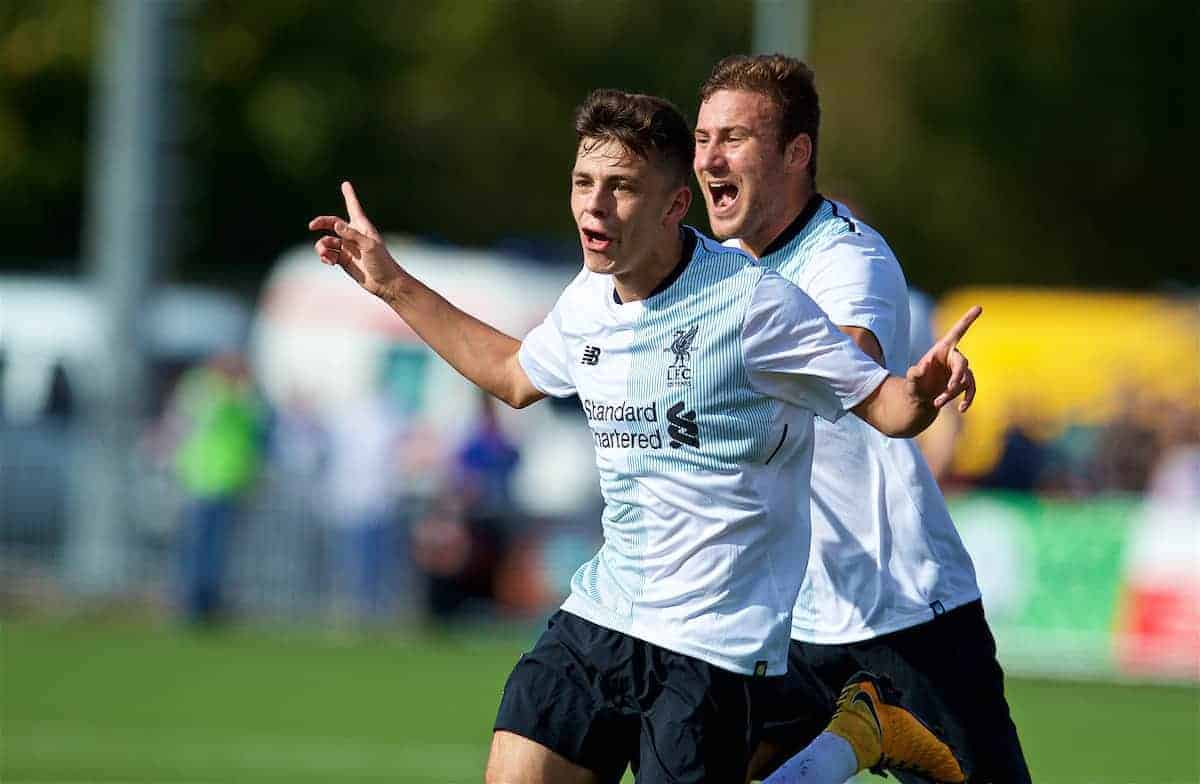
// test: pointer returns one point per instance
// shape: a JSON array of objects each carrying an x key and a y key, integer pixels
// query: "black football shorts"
[
  {"x": 947, "y": 675},
  {"x": 605, "y": 701}
]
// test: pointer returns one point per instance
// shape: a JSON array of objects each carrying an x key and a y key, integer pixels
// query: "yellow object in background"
[{"x": 1049, "y": 357}]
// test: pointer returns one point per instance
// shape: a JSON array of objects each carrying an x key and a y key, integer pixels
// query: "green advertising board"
[{"x": 1065, "y": 593}]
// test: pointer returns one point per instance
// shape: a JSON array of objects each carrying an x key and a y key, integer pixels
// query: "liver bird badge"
[{"x": 682, "y": 345}]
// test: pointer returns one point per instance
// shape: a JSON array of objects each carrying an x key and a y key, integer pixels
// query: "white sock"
[{"x": 827, "y": 760}]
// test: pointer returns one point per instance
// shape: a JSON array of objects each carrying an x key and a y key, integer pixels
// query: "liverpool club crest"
[{"x": 679, "y": 374}]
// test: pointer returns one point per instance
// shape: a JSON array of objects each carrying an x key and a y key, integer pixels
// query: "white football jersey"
[
  {"x": 885, "y": 554},
  {"x": 700, "y": 400}
]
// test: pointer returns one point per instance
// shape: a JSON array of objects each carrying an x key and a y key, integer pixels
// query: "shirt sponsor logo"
[
  {"x": 683, "y": 428},
  {"x": 679, "y": 374},
  {"x": 591, "y": 355},
  {"x": 623, "y": 439},
  {"x": 619, "y": 411}
]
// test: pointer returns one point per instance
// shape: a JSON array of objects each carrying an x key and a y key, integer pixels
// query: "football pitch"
[{"x": 91, "y": 703}]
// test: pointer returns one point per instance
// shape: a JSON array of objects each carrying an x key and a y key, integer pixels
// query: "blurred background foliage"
[{"x": 991, "y": 142}]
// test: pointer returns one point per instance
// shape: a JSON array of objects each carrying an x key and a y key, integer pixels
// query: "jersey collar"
[
  {"x": 796, "y": 226},
  {"x": 688, "y": 235}
]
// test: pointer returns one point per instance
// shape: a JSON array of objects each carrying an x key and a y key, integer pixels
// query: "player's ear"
[
  {"x": 798, "y": 152},
  {"x": 677, "y": 208}
]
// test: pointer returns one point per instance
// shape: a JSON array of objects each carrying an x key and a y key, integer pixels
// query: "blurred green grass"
[{"x": 113, "y": 704}]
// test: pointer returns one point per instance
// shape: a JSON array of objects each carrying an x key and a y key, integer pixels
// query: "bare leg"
[{"x": 518, "y": 760}]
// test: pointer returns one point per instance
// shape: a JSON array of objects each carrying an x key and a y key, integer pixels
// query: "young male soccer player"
[
  {"x": 699, "y": 373},
  {"x": 889, "y": 588}
]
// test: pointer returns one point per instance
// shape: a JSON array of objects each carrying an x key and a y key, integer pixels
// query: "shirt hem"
[
  {"x": 896, "y": 625},
  {"x": 601, "y": 616},
  {"x": 863, "y": 392},
  {"x": 868, "y": 321},
  {"x": 532, "y": 372}
]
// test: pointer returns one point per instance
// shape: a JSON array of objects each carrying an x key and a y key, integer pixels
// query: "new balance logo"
[
  {"x": 682, "y": 427},
  {"x": 591, "y": 355}
]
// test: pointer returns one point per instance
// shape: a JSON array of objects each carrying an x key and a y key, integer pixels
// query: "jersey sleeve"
[
  {"x": 859, "y": 285},
  {"x": 543, "y": 357},
  {"x": 794, "y": 353}
]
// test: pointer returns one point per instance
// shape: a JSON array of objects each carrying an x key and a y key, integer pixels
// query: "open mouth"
[
  {"x": 596, "y": 240},
  {"x": 723, "y": 194}
]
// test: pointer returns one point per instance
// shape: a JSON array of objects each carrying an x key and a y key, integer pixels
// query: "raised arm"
[
  {"x": 903, "y": 407},
  {"x": 481, "y": 353}
]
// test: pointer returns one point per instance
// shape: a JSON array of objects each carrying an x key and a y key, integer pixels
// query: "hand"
[
  {"x": 943, "y": 373},
  {"x": 356, "y": 247}
]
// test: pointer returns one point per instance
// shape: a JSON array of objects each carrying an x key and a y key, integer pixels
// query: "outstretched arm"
[
  {"x": 903, "y": 407},
  {"x": 483, "y": 354}
]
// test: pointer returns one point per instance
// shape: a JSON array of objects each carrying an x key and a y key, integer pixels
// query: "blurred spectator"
[
  {"x": 60, "y": 402},
  {"x": 364, "y": 488},
  {"x": 214, "y": 421},
  {"x": 1069, "y": 461},
  {"x": 1176, "y": 478},
  {"x": 1123, "y": 454},
  {"x": 1022, "y": 459},
  {"x": 486, "y": 461},
  {"x": 459, "y": 556},
  {"x": 299, "y": 443},
  {"x": 1127, "y": 447},
  {"x": 1174, "y": 475},
  {"x": 462, "y": 543}
]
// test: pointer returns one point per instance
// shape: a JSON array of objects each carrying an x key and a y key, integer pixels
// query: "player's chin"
[
  {"x": 725, "y": 225},
  {"x": 598, "y": 262}
]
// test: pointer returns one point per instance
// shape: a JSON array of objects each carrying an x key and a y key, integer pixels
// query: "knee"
[{"x": 518, "y": 760}]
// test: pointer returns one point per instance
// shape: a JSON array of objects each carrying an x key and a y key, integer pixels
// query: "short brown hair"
[
  {"x": 785, "y": 80},
  {"x": 641, "y": 124}
]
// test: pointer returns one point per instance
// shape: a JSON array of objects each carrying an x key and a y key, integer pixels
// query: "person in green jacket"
[{"x": 219, "y": 419}]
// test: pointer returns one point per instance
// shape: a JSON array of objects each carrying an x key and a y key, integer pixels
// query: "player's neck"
[
  {"x": 771, "y": 230},
  {"x": 661, "y": 260}
]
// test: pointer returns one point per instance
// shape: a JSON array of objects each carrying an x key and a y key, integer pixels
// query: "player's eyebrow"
[
  {"x": 722, "y": 130},
  {"x": 609, "y": 178}
]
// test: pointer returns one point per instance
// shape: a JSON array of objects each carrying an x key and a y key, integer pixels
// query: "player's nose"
[
  {"x": 596, "y": 203},
  {"x": 709, "y": 159}
]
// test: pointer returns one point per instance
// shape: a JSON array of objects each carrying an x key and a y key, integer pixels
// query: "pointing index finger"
[
  {"x": 353, "y": 206},
  {"x": 956, "y": 332}
]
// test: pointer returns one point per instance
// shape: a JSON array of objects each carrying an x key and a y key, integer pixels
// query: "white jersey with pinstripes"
[
  {"x": 700, "y": 401},
  {"x": 885, "y": 554}
]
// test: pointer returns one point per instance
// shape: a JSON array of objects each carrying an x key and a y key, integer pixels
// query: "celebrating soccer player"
[
  {"x": 699, "y": 373},
  {"x": 889, "y": 588}
]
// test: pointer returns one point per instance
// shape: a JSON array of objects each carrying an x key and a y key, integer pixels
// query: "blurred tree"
[
  {"x": 453, "y": 119},
  {"x": 45, "y": 61},
  {"x": 990, "y": 141},
  {"x": 999, "y": 142}
]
